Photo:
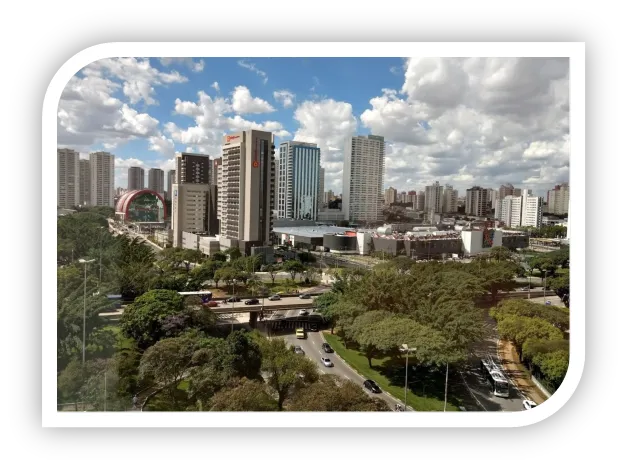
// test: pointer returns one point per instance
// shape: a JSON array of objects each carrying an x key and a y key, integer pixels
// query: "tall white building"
[
  {"x": 217, "y": 180},
  {"x": 532, "y": 214},
  {"x": 155, "y": 180},
  {"x": 248, "y": 172},
  {"x": 434, "y": 198},
  {"x": 68, "y": 174},
  {"x": 449, "y": 202},
  {"x": 136, "y": 178},
  {"x": 559, "y": 198},
  {"x": 102, "y": 169},
  {"x": 390, "y": 196},
  {"x": 510, "y": 211},
  {"x": 84, "y": 183},
  {"x": 299, "y": 181},
  {"x": 321, "y": 189},
  {"x": 524, "y": 210},
  {"x": 364, "y": 166}
]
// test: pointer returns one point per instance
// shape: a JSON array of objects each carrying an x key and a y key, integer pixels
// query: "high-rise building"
[
  {"x": 320, "y": 189},
  {"x": 328, "y": 196},
  {"x": 433, "y": 198},
  {"x": 155, "y": 180},
  {"x": 532, "y": 211},
  {"x": 364, "y": 166},
  {"x": 449, "y": 199},
  {"x": 248, "y": 171},
  {"x": 102, "y": 173},
  {"x": 494, "y": 200},
  {"x": 68, "y": 174},
  {"x": 477, "y": 201},
  {"x": 216, "y": 176},
  {"x": 517, "y": 192},
  {"x": 524, "y": 210},
  {"x": 558, "y": 199},
  {"x": 505, "y": 190},
  {"x": 193, "y": 210},
  {"x": 511, "y": 211},
  {"x": 171, "y": 180},
  {"x": 420, "y": 201},
  {"x": 390, "y": 196},
  {"x": 299, "y": 180},
  {"x": 84, "y": 183},
  {"x": 136, "y": 178}
]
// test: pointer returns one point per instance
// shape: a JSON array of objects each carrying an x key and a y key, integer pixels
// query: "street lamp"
[
  {"x": 529, "y": 290},
  {"x": 83, "y": 261},
  {"x": 406, "y": 349},
  {"x": 233, "y": 307},
  {"x": 544, "y": 289}
]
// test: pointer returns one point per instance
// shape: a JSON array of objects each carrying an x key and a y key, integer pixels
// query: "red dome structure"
[{"x": 142, "y": 205}]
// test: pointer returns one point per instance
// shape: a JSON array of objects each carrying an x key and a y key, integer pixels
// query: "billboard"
[{"x": 146, "y": 208}]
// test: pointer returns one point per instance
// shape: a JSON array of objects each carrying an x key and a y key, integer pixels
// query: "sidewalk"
[{"x": 518, "y": 373}]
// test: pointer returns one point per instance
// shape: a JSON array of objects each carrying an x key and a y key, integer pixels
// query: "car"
[
  {"x": 528, "y": 404},
  {"x": 327, "y": 348},
  {"x": 313, "y": 327},
  {"x": 305, "y": 296},
  {"x": 525, "y": 289},
  {"x": 233, "y": 299},
  {"x": 299, "y": 350},
  {"x": 252, "y": 301},
  {"x": 326, "y": 362},
  {"x": 300, "y": 333},
  {"x": 371, "y": 386},
  {"x": 303, "y": 312},
  {"x": 275, "y": 297},
  {"x": 211, "y": 304}
]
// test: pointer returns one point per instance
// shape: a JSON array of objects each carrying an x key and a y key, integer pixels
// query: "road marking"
[{"x": 346, "y": 376}]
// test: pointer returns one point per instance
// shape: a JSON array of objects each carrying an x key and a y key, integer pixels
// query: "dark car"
[
  {"x": 305, "y": 296},
  {"x": 313, "y": 327},
  {"x": 372, "y": 386},
  {"x": 327, "y": 348},
  {"x": 233, "y": 299},
  {"x": 252, "y": 301}
]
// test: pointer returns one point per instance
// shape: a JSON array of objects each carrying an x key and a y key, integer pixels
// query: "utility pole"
[{"x": 445, "y": 386}]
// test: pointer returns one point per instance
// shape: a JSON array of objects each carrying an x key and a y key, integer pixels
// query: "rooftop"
[{"x": 310, "y": 231}]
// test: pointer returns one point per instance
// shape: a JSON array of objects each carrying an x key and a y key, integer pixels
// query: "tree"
[
  {"x": 218, "y": 257},
  {"x": 500, "y": 253},
  {"x": 561, "y": 286},
  {"x": 273, "y": 270},
  {"x": 554, "y": 315},
  {"x": 293, "y": 267},
  {"x": 245, "y": 355},
  {"x": 227, "y": 274},
  {"x": 334, "y": 394},
  {"x": 233, "y": 253},
  {"x": 243, "y": 395},
  {"x": 70, "y": 382},
  {"x": 322, "y": 304},
  {"x": 395, "y": 214},
  {"x": 143, "y": 319},
  {"x": 286, "y": 371},
  {"x": 307, "y": 257},
  {"x": 519, "y": 329}
]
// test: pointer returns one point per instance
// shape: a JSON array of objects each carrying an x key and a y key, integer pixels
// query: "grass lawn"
[{"x": 390, "y": 376}]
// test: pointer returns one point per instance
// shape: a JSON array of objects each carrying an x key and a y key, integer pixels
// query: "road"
[
  {"x": 312, "y": 347},
  {"x": 478, "y": 387}
]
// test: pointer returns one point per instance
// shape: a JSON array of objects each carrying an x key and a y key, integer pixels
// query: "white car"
[
  {"x": 326, "y": 362},
  {"x": 303, "y": 312},
  {"x": 528, "y": 404}
]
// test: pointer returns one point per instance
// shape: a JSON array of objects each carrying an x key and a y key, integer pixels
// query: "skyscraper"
[
  {"x": 559, "y": 198},
  {"x": 248, "y": 171},
  {"x": 320, "y": 189},
  {"x": 433, "y": 198},
  {"x": 299, "y": 180},
  {"x": 136, "y": 178},
  {"x": 449, "y": 202},
  {"x": 68, "y": 173},
  {"x": 364, "y": 166},
  {"x": 84, "y": 183},
  {"x": 216, "y": 176},
  {"x": 192, "y": 168},
  {"x": 477, "y": 201},
  {"x": 171, "y": 180},
  {"x": 102, "y": 169},
  {"x": 420, "y": 201},
  {"x": 155, "y": 180},
  {"x": 511, "y": 211},
  {"x": 390, "y": 196}
]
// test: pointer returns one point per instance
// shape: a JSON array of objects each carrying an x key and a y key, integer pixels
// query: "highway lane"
[{"x": 312, "y": 346}]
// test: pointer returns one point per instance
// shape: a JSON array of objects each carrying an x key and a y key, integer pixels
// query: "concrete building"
[
  {"x": 390, "y": 196},
  {"x": 299, "y": 183},
  {"x": 136, "y": 178},
  {"x": 68, "y": 175},
  {"x": 321, "y": 188},
  {"x": 433, "y": 198},
  {"x": 193, "y": 168},
  {"x": 420, "y": 201},
  {"x": 248, "y": 171},
  {"x": 171, "y": 180},
  {"x": 331, "y": 215},
  {"x": 532, "y": 210},
  {"x": 102, "y": 173},
  {"x": 510, "y": 211},
  {"x": 505, "y": 190},
  {"x": 449, "y": 199},
  {"x": 155, "y": 180},
  {"x": 364, "y": 166},
  {"x": 559, "y": 199},
  {"x": 217, "y": 178},
  {"x": 84, "y": 183},
  {"x": 477, "y": 201},
  {"x": 328, "y": 195}
]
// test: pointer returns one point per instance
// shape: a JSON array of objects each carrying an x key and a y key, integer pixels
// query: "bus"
[{"x": 492, "y": 373}]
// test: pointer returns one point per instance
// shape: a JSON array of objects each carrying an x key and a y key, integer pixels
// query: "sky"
[{"x": 459, "y": 121}]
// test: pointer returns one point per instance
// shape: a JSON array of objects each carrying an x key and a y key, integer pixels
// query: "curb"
[{"x": 358, "y": 374}]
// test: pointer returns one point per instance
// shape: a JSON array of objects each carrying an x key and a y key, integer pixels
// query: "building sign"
[
  {"x": 488, "y": 238},
  {"x": 231, "y": 137}
]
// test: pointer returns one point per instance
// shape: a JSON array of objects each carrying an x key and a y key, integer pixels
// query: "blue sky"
[{"x": 457, "y": 121}]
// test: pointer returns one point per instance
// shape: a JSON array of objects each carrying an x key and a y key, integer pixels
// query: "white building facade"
[
  {"x": 102, "y": 172},
  {"x": 68, "y": 174}
]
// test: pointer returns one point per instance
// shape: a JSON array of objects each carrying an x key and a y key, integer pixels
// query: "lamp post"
[
  {"x": 406, "y": 349},
  {"x": 544, "y": 289},
  {"x": 233, "y": 306},
  {"x": 529, "y": 290},
  {"x": 83, "y": 261},
  {"x": 445, "y": 386}
]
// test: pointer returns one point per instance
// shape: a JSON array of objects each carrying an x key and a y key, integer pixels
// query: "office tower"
[
  {"x": 155, "y": 180},
  {"x": 216, "y": 178},
  {"x": 248, "y": 171},
  {"x": 364, "y": 166},
  {"x": 320, "y": 188},
  {"x": 276, "y": 182},
  {"x": 68, "y": 174},
  {"x": 299, "y": 180},
  {"x": 449, "y": 203},
  {"x": 193, "y": 209},
  {"x": 194, "y": 168},
  {"x": 420, "y": 201},
  {"x": 477, "y": 201},
  {"x": 433, "y": 198},
  {"x": 390, "y": 196},
  {"x": 84, "y": 183},
  {"x": 136, "y": 178},
  {"x": 559, "y": 199},
  {"x": 171, "y": 180},
  {"x": 102, "y": 172}
]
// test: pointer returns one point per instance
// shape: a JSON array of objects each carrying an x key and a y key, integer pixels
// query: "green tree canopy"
[{"x": 243, "y": 395}]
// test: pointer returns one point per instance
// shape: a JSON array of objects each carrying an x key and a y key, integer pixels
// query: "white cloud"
[
  {"x": 285, "y": 97},
  {"x": 161, "y": 144},
  {"x": 253, "y": 68},
  {"x": 187, "y": 61},
  {"x": 244, "y": 103},
  {"x": 215, "y": 86}
]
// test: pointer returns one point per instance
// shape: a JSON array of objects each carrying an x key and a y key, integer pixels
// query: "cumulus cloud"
[
  {"x": 215, "y": 86},
  {"x": 194, "y": 66},
  {"x": 285, "y": 97},
  {"x": 244, "y": 103}
]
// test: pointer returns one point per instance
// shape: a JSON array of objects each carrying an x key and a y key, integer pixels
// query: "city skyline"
[{"x": 462, "y": 122}]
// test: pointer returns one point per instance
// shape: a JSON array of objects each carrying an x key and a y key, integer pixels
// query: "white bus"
[{"x": 492, "y": 373}]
